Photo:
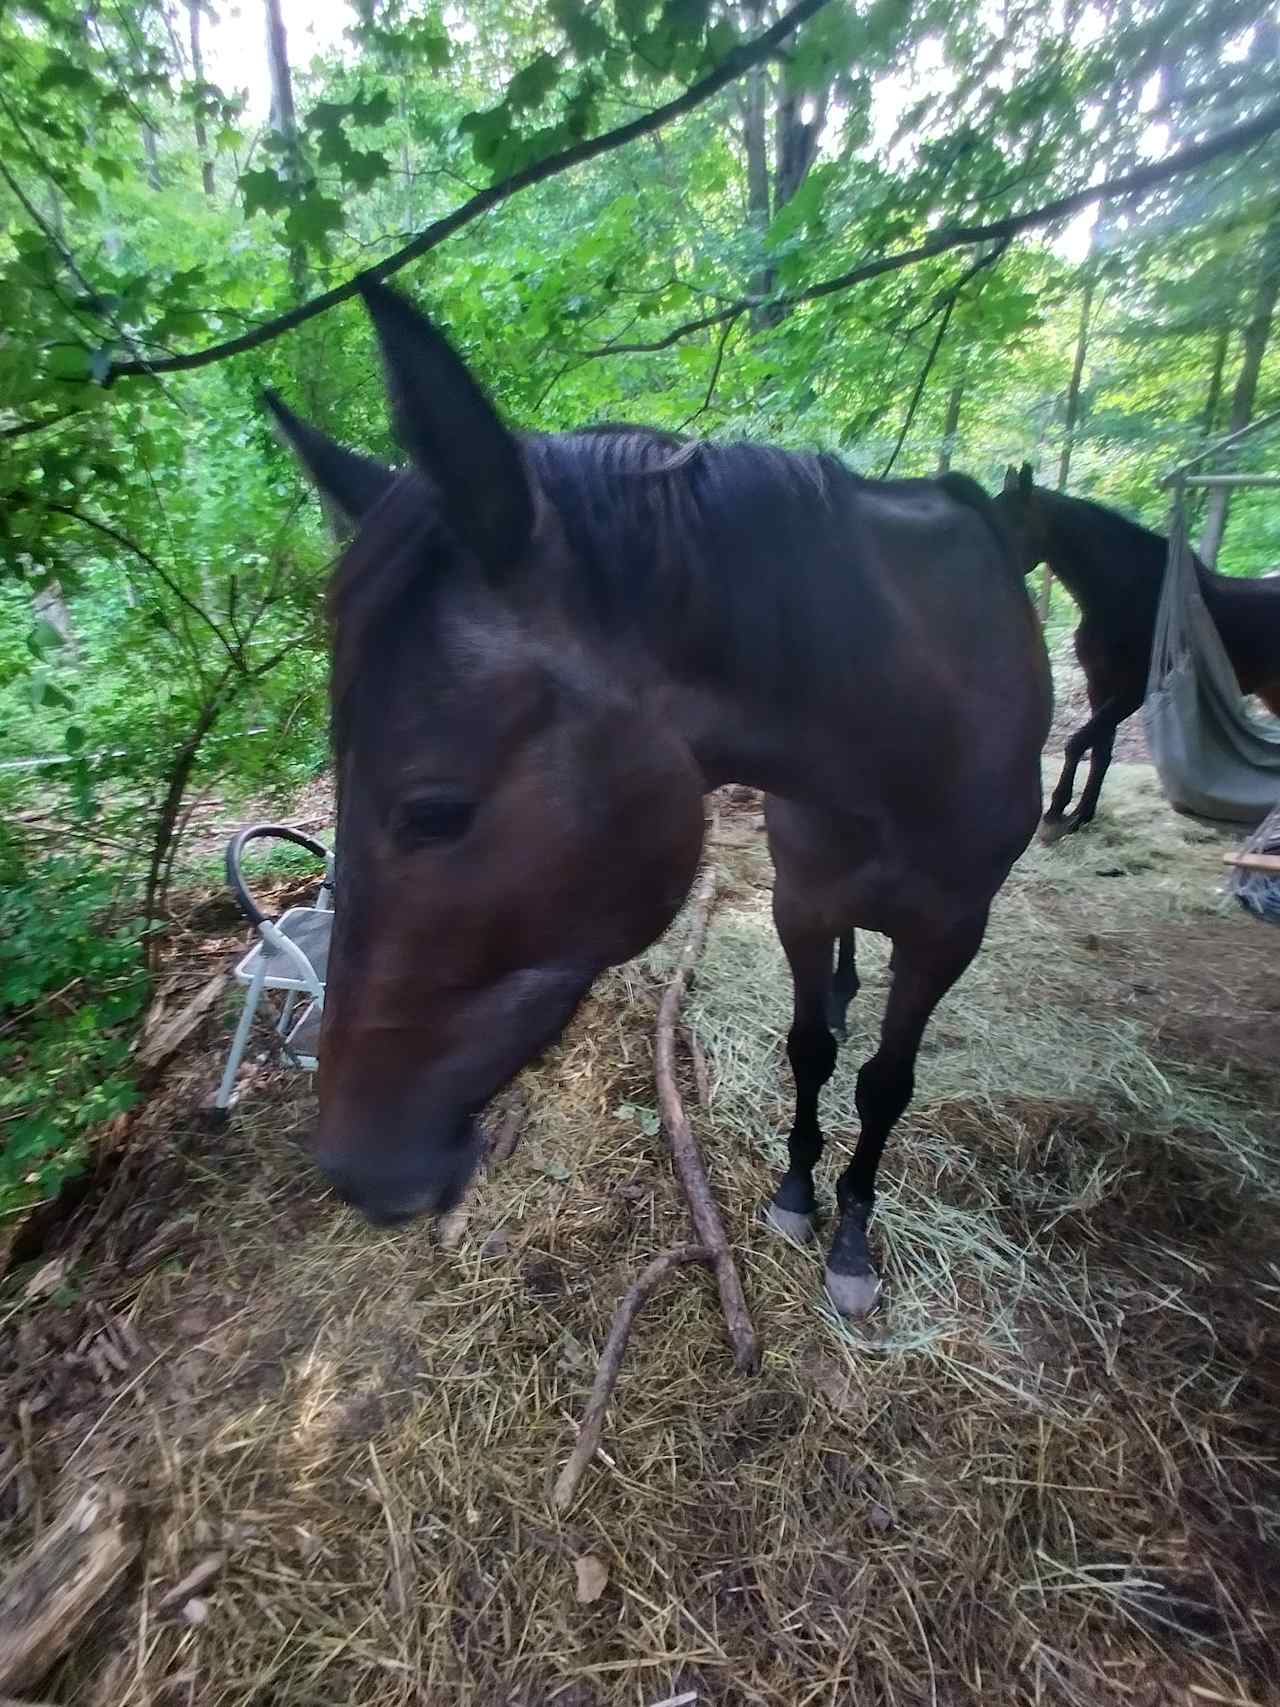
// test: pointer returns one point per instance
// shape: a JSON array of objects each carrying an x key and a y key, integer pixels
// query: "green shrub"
[{"x": 71, "y": 981}]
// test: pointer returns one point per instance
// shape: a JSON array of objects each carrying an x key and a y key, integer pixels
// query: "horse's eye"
[{"x": 421, "y": 822}]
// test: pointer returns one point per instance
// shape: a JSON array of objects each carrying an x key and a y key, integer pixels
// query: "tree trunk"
[
  {"x": 755, "y": 97},
  {"x": 1071, "y": 420},
  {"x": 283, "y": 117},
  {"x": 1213, "y": 398},
  {"x": 795, "y": 144},
  {"x": 770, "y": 110},
  {"x": 1256, "y": 333},
  {"x": 197, "y": 71},
  {"x": 152, "y": 155},
  {"x": 951, "y": 425},
  {"x": 1073, "y": 390},
  {"x": 284, "y": 121}
]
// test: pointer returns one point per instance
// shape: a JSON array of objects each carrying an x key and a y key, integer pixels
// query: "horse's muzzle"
[{"x": 429, "y": 1179}]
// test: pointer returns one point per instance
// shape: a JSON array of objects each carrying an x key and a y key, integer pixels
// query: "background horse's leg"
[
  {"x": 1076, "y": 748},
  {"x": 925, "y": 966},
  {"x": 844, "y": 986},
  {"x": 811, "y": 1050},
  {"x": 1097, "y": 737}
]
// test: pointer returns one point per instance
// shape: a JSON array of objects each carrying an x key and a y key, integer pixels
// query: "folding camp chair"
[{"x": 291, "y": 956}]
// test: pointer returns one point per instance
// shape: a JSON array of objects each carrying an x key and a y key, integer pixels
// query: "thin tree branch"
[
  {"x": 732, "y": 67},
  {"x": 948, "y": 308},
  {"x": 24, "y": 427},
  {"x": 715, "y": 376},
  {"x": 703, "y": 1212},
  {"x": 156, "y": 568},
  {"x": 610, "y": 1365},
  {"x": 918, "y": 393},
  {"x": 46, "y": 230},
  {"x": 966, "y": 236}
]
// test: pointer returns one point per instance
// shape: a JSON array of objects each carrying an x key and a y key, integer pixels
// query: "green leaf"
[
  {"x": 68, "y": 362},
  {"x": 63, "y": 73},
  {"x": 530, "y": 86},
  {"x": 488, "y": 131},
  {"x": 312, "y": 219},
  {"x": 374, "y": 110},
  {"x": 327, "y": 115},
  {"x": 633, "y": 17},
  {"x": 263, "y": 189},
  {"x": 180, "y": 323},
  {"x": 585, "y": 36},
  {"x": 365, "y": 166}
]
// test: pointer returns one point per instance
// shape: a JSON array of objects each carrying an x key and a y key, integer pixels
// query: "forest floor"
[{"x": 1043, "y": 1473}]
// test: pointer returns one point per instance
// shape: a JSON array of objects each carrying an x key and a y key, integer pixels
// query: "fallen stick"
[
  {"x": 693, "y": 1176},
  {"x": 196, "y": 1579},
  {"x": 701, "y": 1071},
  {"x": 611, "y": 1362},
  {"x": 56, "y": 1588},
  {"x": 713, "y": 1246}
]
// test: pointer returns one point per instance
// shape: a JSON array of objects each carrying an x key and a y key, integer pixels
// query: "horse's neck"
[
  {"x": 1100, "y": 573},
  {"x": 734, "y": 732}
]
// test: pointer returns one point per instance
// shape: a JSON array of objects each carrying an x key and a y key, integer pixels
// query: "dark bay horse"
[
  {"x": 545, "y": 650},
  {"x": 1113, "y": 569}
]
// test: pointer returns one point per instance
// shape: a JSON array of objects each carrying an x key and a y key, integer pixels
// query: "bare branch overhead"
[{"x": 1230, "y": 141}]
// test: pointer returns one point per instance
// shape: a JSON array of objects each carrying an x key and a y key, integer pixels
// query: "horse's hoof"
[
  {"x": 790, "y": 1223},
  {"x": 854, "y": 1295},
  {"x": 1054, "y": 829}
]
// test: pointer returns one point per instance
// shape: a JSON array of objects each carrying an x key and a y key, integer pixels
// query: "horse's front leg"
[
  {"x": 1076, "y": 748},
  {"x": 811, "y": 1049},
  {"x": 925, "y": 966}
]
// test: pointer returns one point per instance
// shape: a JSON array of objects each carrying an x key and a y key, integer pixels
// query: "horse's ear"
[
  {"x": 452, "y": 432},
  {"x": 1025, "y": 479},
  {"x": 349, "y": 484},
  {"x": 1010, "y": 479}
]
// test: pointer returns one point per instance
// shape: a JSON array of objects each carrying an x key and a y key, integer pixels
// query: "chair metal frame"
[{"x": 279, "y": 960}]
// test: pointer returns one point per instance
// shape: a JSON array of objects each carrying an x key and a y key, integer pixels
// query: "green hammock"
[{"x": 1216, "y": 758}]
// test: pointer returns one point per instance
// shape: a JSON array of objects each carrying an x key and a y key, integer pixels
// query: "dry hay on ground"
[{"x": 1044, "y": 1474}]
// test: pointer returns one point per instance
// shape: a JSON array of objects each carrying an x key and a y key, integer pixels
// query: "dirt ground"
[{"x": 1044, "y": 1473}]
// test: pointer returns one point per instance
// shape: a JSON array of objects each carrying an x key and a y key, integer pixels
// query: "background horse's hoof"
[
  {"x": 853, "y": 1295},
  {"x": 789, "y": 1221},
  {"x": 1054, "y": 829}
]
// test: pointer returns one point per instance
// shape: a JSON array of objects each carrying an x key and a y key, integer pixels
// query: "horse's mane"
[
  {"x": 1085, "y": 524},
  {"x": 636, "y": 541},
  {"x": 744, "y": 553}
]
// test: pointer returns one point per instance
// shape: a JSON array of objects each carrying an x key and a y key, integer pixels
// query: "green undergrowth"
[{"x": 71, "y": 986}]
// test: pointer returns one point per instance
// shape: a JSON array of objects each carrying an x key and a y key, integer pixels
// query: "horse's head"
[
  {"x": 1022, "y": 507},
  {"x": 513, "y": 814}
]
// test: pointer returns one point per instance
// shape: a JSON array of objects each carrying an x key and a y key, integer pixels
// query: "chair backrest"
[{"x": 278, "y": 832}]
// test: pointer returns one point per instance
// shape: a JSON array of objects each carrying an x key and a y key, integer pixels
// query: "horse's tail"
[{"x": 967, "y": 492}]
